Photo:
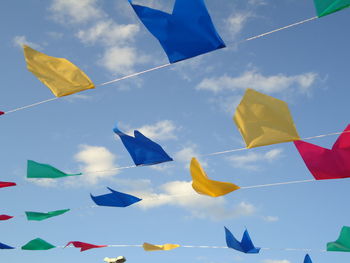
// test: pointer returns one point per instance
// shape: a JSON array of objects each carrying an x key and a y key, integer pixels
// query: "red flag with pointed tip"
[
  {"x": 6, "y": 184},
  {"x": 1, "y": 112},
  {"x": 327, "y": 163},
  {"x": 83, "y": 246},
  {"x": 5, "y": 217}
]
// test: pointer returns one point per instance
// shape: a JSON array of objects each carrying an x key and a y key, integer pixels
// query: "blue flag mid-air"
[
  {"x": 143, "y": 151},
  {"x": 307, "y": 259},
  {"x": 187, "y": 32},
  {"x": 3, "y": 246},
  {"x": 245, "y": 246},
  {"x": 115, "y": 199}
]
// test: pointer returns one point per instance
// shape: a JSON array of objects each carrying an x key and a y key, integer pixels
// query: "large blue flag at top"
[
  {"x": 143, "y": 151},
  {"x": 3, "y": 246},
  {"x": 307, "y": 259},
  {"x": 245, "y": 246},
  {"x": 115, "y": 199},
  {"x": 187, "y": 32}
]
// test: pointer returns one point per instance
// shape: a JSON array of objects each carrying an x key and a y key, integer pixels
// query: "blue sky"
[{"x": 188, "y": 109}]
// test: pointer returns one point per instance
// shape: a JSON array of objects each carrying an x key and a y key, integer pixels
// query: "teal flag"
[
  {"x": 326, "y": 7},
  {"x": 40, "y": 170},
  {"x": 37, "y": 216},
  {"x": 37, "y": 244},
  {"x": 342, "y": 243}
]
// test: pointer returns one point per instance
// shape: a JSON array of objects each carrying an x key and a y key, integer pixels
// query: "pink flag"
[
  {"x": 83, "y": 246},
  {"x": 325, "y": 163}
]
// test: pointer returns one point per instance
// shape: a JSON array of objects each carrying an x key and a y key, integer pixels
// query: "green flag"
[
  {"x": 326, "y": 7},
  {"x": 40, "y": 170},
  {"x": 37, "y": 244},
  {"x": 342, "y": 243},
  {"x": 37, "y": 216}
]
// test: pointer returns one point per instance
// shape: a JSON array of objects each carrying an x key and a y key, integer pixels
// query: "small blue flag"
[
  {"x": 115, "y": 199},
  {"x": 245, "y": 246}
]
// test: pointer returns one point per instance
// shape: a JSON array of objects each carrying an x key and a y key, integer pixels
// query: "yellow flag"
[
  {"x": 264, "y": 120},
  {"x": 203, "y": 185},
  {"x": 151, "y": 247},
  {"x": 60, "y": 75}
]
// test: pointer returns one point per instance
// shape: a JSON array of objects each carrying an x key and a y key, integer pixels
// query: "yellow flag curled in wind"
[
  {"x": 151, "y": 247},
  {"x": 203, "y": 185},
  {"x": 264, "y": 120},
  {"x": 60, "y": 75}
]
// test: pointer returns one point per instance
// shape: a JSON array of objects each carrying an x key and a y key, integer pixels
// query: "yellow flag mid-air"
[{"x": 151, "y": 247}]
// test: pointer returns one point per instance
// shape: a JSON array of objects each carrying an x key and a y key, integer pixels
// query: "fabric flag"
[
  {"x": 2, "y": 113},
  {"x": 83, "y": 246},
  {"x": 307, "y": 259},
  {"x": 143, "y": 151},
  {"x": 203, "y": 185},
  {"x": 151, "y": 247},
  {"x": 115, "y": 199},
  {"x": 119, "y": 259},
  {"x": 187, "y": 32},
  {"x": 324, "y": 163},
  {"x": 6, "y": 184},
  {"x": 37, "y": 216},
  {"x": 60, "y": 75},
  {"x": 342, "y": 244},
  {"x": 5, "y": 217},
  {"x": 264, "y": 120},
  {"x": 40, "y": 170},
  {"x": 326, "y": 7},
  {"x": 245, "y": 246},
  {"x": 37, "y": 244},
  {"x": 3, "y": 246}
]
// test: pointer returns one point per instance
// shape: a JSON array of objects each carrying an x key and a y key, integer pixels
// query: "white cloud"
[
  {"x": 250, "y": 160},
  {"x": 276, "y": 261},
  {"x": 270, "y": 218},
  {"x": 181, "y": 194},
  {"x": 186, "y": 153},
  {"x": 160, "y": 131},
  {"x": 19, "y": 41},
  {"x": 97, "y": 163},
  {"x": 253, "y": 79},
  {"x": 236, "y": 22},
  {"x": 75, "y": 11}
]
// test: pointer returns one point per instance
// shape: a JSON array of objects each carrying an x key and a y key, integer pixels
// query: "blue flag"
[
  {"x": 115, "y": 199},
  {"x": 307, "y": 259},
  {"x": 245, "y": 246},
  {"x": 3, "y": 246},
  {"x": 143, "y": 151},
  {"x": 187, "y": 32}
]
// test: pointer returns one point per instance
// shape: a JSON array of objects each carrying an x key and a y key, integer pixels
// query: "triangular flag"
[
  {"x": 115, "y": 199},
  {"x": 37, "y": 244},
  {"x": 2, "y": 113},
  {"x": 324, "y": 163},
  {"x": 143, "y": 151},
  {"x": 264, "y": 120},
  {"x": 37, "y": 216},
  {"x": 187, "y": 32},
  {"x": 40, "y": 170},
  {"x": 6, "y": 184},
  {"x": 3, "y": 246},
  {"x": 5, "y": 217},
  {"x": 83, "y": 246},
  {"x": 60, "y": 75},
  {"x": 245, "y": 246},
  {"x": 203, "y": 185},
  {"x": 151, "y": 247},
  {"x": 342, "y": 244},
  {"x": 326, "y": 7},
  {"x": 307, "y": 259}
]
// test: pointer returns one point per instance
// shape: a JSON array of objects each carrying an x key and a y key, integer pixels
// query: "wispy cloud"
[
  {"x": 270, "y": 218},
  {"x": 19, "y": 41},
  {"x": 236, "y": 22},
  {"x": 159, "y": 131},
  {"x": 276, "y": 261}
]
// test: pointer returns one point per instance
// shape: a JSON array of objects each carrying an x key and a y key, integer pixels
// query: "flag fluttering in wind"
[
  {"x": 60, "y": 75},
  {"x": 6, "y": 184},
  {"x": 37, "y": 216},
  {"x": 307, "y": 259},
  {"x": 37, "y": 244},
  {"x": 115, "y": 199},
  {"x": 187, "y": 32},
  {"x": 264, "y": 120},
  {"x": 327, "y": 163},
  {"x": 203, "y": 185},
  {"x": 245, "y": 246},
  {"x": 40, "y": 170},
  {"x": 5, "y": 217},
  {"x": 3, "y": 246},
  {"x": 142, "y": 150},
  {"x": 342, "y": 244},
  {"x": 327, "y": 7},
  {"x": 151, "y": 247},
  {"x": 83, "y": 246}
]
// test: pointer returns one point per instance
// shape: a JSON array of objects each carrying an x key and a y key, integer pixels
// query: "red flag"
[
  {"x": 6, "y": 184},
  {"x": 1, "y": 112},
  {"x": 327, "y": 163},
  {"x": 83, "y": 246},
  {"x": 5, "y": 217}
]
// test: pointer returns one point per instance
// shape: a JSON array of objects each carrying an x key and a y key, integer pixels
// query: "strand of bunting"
[{"x": 192, "y": 34}]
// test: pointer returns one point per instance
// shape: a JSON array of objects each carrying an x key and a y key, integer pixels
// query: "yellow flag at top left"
[{"x": 60, "y": 75}]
